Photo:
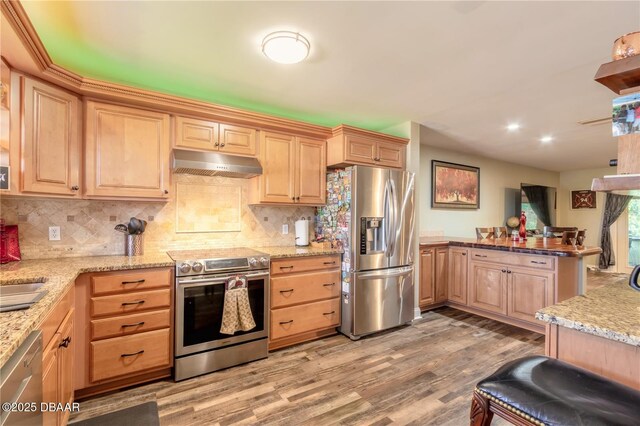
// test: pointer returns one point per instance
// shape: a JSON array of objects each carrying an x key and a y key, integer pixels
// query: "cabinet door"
[
  {"x": 127, "y": 152},
  {"x": 65, "y": 366},
  {"x": 390, "y": 154},
  {"x": 196, "y": 134},
  {"x": 427, "y": 278},
  {"x": 441, "y": 274},
  {"x": 238, "y": 140},
  {"x": 277, "y": 152},
  {"x": 528, "y": 292},
  {"x": 311, "y": 170},
  {"x": 50, "y": 379},
  {"x": 458, "y": 275},
  {"x": 360, "y": 150},
  {"x": 51, "y": 147},
  {"x": 487, "y": 287}
]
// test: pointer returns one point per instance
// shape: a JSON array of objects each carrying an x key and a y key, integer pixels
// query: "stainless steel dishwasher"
[{"x": 21, "y": 384}]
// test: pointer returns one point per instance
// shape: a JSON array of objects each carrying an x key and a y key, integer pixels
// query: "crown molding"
[
  {"x": 99, "y": 89},
  {"x": 345, "y": 129}
]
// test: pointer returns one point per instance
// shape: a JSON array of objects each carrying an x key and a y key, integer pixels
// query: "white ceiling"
[{"x": 462, "y": 69}]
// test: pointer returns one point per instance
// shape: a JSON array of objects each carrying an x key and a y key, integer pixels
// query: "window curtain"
[
  {"x": 537, "y": 196},
  {"x": 614, "y": 206}
]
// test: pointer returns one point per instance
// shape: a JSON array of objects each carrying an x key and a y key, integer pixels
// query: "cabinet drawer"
[
  {"x": 130, "y": 324},
  {"x": 302, "y": 288},
  {"x": 303, "y": 264},
  {"x": 517, "y": 259},
  {"x": 299, "y": 319},
  {"x": 129, "y": 354},
  {"x": 130, "y": 281},
  {"x": 130, "y": 302}
]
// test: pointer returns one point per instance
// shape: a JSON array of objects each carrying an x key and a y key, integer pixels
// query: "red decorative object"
[
  {"x": 523, "y": 226},
  {"x": 9, "y": 246}
]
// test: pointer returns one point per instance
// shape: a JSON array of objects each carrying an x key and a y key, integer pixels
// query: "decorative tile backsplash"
[{"x": 86, "y": 226}]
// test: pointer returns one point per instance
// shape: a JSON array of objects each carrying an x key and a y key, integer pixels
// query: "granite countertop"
[
  {"x": 611, "y": 311},
  {"x": 293, "y": 251},
  {"x": 58, "y": 275},
  {"x": 541, "y": 246}
]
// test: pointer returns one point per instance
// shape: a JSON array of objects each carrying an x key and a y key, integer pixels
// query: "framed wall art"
[
  {"x": 454, "y": 186},
  {"x": 584, "y": 199}
]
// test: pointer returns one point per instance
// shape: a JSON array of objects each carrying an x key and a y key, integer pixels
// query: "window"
[
  {"x": 532, "y": 219},
  {"x": 633, "y": 220}
]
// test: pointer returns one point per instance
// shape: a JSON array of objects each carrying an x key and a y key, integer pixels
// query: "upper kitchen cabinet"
[
  {"x": 203, "y": 135},
  {"x": 50, "y": 143},
  {"x": 349, "y": 146},
  {"x": 127, "y": 152},
  {"x": 293, "y": 171}
]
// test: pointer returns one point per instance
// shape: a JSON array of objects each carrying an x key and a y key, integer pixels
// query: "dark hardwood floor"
[{"x": 421, "y": 374}]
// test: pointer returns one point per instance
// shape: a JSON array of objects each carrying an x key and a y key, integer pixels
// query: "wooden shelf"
[
  {"x": 626, "y": 185},
  {"x": 620, "y": 76}
]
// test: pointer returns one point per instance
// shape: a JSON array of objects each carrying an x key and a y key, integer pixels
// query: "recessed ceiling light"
[
  {"x": 285, "y": 47},
  {"x": 546, "y": 139},
  {"x": 512, "y": 127}
]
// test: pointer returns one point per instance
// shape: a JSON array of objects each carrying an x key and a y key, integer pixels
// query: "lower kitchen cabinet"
[
  {"x": 58, "y": 359},
  {"x": 487, "y": 287},
  {"x": 457, "y": 279},
  {"x": 126, "y": 333},
  {"x": 528, "y": 291},
  {"x": 304, "y": 299},
  {"x": 433, "y": 276}
]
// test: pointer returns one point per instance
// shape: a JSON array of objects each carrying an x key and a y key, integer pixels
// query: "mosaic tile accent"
[{"x": 91, "y": 233}]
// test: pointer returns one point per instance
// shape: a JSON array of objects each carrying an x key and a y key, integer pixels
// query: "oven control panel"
[{"x": 209, "y": 266}]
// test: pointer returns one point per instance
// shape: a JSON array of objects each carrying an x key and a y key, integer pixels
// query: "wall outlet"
[
  {"x": 54, "y": 233},
  {"x": 285, "y": 229}
]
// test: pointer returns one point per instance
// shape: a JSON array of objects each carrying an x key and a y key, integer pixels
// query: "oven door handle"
[{"x": 185, "y": 282}]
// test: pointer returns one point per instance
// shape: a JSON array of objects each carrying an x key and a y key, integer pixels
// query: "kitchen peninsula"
[{"x": 505, "y": 280}]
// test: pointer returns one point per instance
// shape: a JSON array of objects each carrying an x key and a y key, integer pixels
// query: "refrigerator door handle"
[
  {"x": 394, "y": 214},
  {"x": 383, "y": 273},
  {"x": 387, "y": 219}
]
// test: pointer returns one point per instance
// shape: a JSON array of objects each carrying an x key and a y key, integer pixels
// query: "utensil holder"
[{"x": 134, "y": 245}]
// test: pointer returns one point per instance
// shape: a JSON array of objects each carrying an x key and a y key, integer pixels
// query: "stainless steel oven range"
[{"x": 201, "y": 276}]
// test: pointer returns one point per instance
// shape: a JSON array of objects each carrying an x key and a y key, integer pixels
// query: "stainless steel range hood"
[{"x": 214, "y": 164}]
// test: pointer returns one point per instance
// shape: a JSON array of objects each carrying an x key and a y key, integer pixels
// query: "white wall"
[
  {"x": 589, "y": 219},
  {"x": 495, "y": 178}
]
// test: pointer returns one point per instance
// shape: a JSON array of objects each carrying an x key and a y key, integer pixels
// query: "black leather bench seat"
[{"x": 551, "y": 392}]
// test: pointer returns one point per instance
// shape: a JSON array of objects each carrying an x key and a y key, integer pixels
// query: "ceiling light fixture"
[
  {"x": 512, "y": 127},
  {"x": 546, "y": 139},
  {"x": 285, "y": 47}
]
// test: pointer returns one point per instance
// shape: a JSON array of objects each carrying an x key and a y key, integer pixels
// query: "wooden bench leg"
[{"x": 480, "y": 414}]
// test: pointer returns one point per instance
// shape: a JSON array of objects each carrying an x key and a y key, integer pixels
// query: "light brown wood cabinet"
[
  {"x": 127, "y": 152},
  {"x": 457, "y": 279},
  {"x": 487, "y": 287},
  {"x": 528, "y": 292},
  {"x": 433, "y": 276},
  {"x": 50, "y": 149},
  {"x": 293, "y": 171},
  {"x": 304, "y": 299},
  {"x": 58, "y": 359},
  {"x": 125, "y": 328},
  {"x": 204, "y": 135},
  {"x": 349, "y": 146}
]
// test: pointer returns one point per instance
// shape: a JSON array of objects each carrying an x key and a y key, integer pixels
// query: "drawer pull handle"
[
  {"x": 132, "y": 354},
  {"x": 289, "y": 290},
  {"x": 333, "y": 262},
  {"x": 286, "y": 322},
  {"x": 286, "y": 267},
  {"x": 480, "y": 255},
  {"x": 329, "y": 284},
  {"x": 137, "y": 302},
  {"x": 537, "y": 262},
  {"x": 133, "y": 282},
  {"x": 329, "y": 313},
  {"x": 132, "y": 325},
  {"x": 65, "y": 342}
]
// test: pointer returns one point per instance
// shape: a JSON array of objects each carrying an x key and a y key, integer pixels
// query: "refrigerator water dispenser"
[{"x": 372, "y": 238}]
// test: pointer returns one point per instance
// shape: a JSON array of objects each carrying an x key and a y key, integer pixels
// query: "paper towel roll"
[{"x": 302, "y": 232}]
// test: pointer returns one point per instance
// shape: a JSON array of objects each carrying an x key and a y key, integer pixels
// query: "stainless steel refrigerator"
[{"x": 370, "y": 213}]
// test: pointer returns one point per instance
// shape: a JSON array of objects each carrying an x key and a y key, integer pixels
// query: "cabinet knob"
[
  {"x": 216, "y": 144},
  {"x": 166, "y": 191},
  {"x": 508, "y": 272},
  {"x": 75, "y": 188},
  {"x": 504, "y": 270},
  {"x": 376, "y": 159},
  {"x": 222, "y": 144},
  {"x": 297, "y": 198}
]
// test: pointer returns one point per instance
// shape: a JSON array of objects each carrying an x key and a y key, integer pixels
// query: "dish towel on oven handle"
[{"x": 236, "y": 313}]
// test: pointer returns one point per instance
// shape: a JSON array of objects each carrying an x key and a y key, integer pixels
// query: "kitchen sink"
[{"x": 20, "y": 296}]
